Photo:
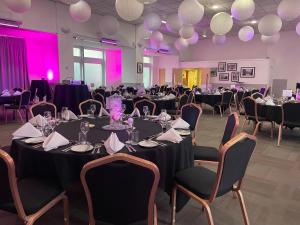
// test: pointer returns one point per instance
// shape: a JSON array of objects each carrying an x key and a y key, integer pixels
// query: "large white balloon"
[
  {"x": 19, "y": 6},
  {"x": 270, "y": 39},
  {"x": 147, "y": 1},
  {"x": 109, "y": 25},
  {"x": 219, "y": 39},
  {"x": 157, "y": 36},
  {"x": 269, "y": 25},
  {"x": 152, "y": 22},
  {"x": 242, "y": 9},
  {"x": 69, "y": 1},
  {"x": 190, "y": 12},
  {"x": 221, "y": 23},
  {"x": 289, "y": 9},
  {"x": 181, "y": 44},
  {"x": 298, "y": 28},
  {"x": 187, "y": 31},
  {"x": 194, "y": 39},
  {"x": 80, "y": 11},
  {"x": 246, "y": 33},
  {"x": 129, "y": 10},
  {"x": 173, "y": 23}
]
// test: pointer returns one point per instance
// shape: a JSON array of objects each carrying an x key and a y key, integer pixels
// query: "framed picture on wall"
[
  {"x": 235, "y": 76},
  {"x": 213, "y": 72},
  {"x": 247, "y": 72},
  {"x": 231, "y": 66},
  {"x": 140, "y": 67},
  {"x": 224, "y": 76},
  {"x": 222, "y": 67}
]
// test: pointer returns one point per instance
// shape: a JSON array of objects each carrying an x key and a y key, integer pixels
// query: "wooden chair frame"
[
  {"x": 100, "y": 96},
  {"x": 239, "y": 104},
  {"x": 86, "y": 101},
  {"x": 43, "y": 103},
  {"x": 229, "y": 105},
  {"x": 257, "y": 93},
  {"x": 146, "y": 100},
  {"x": 30, "y": 219},
  {"x": 152, "y": 211},
  {"x": 205, "y": 203}
]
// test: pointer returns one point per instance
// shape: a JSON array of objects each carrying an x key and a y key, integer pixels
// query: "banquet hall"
[{"x": 149, "y": 112}]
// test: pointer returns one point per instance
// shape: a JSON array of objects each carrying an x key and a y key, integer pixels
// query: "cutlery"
[
  {"x": 67, "y": 149},
  {"x": 37, "y": 145},
  {"x": 128, "y": 148},
  {"x": 132, "y": 148}
]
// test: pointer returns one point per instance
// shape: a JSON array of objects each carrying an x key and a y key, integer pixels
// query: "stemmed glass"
[
  {"x": 84, "y": 127},
  {"x": 123, "y": 111},
  {"x": 47, "y": 116},
  {"x": 129, "y": 131},
  {"x": 163, "y": 119},
  {"x": 146, "y": 110},
  {"x": 64, "y": 112},
  {"x": 93, "y": 109}
]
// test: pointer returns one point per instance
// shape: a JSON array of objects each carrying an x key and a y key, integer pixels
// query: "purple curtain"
[{"x": 13, "y": 63}]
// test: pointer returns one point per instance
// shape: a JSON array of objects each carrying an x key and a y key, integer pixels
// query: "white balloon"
[
  {"x": 289, "y": 9},
  {"x": 221, "y": 23},
  {"x": 270, "y": 39},
  {"x": 194, "y": 39},
  {"x": 69, "y": 1},
  {"x": 147, "y": 1},
  {"x": 19, "y": 6},
  {"x": 181, "y": 44},
  {"x": 187, "y": 31},
  {"x": 109, "y": 25},
  {"x": 246, "y": 33},
  {"x": 190, "y": 12},
  {"x": 129, "y": 10},
  {"x": 269, "y": 25},
  {"x": 173, "y": 23},
  {"x": 157, "y": 36},
  {"x": 242, "y": 9},
  {"x": 152, "y": 22},
  {"x": 80, "y": 11},
  {"x": 219, "y": 39},
  {"x": 298, "y": 28}
]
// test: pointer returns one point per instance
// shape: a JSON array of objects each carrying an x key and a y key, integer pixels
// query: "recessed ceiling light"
[
  {"x": 204, "y": 35},
  {"x": 215, "y": 7},
  {"x": 253, "y": 22},
  {"x": 163, "y": 21}
]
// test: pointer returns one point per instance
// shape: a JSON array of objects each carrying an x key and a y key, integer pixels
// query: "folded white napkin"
[
  {"x": 163, "y": 116},
  {"x": 267, "y": 98},
  {"x": 17, "y": 93},
  {"x": 180, "y": 124},
  {"x": 5, "y": 91},
  {"x": 27, "y": 130},
  {"x": 54, "y": 141},
  {"x": 171, "y": 135},
  {"x": 113, "y": 144},
  {"x": 292, "y": 99},
  {"x": 72, "y": 115},
  {"x": 6, "y": 94},
  {"x": 260, "y": 101},
  {"x": 103, "y": 112},
  {"x": 38, "y": 121},
  {"x": 270, "y": 102},
  {"x": 136, "y": 112}
]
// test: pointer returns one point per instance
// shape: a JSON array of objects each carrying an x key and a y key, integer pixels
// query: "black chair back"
[
  {"x": 257, "y": 95},
  {"x": 130, "y": 90},
  {"x": 191, "y": 97},
  {"x": 98, "y": 97},
  {"x": 136, "y": 99},
  {"x": 250, "y": 106},
  {"x": 254, "y": 91},
  {"x": 227, "y": 97},
  {"x": 145, "y": 102},
  {"x": 240, "y": 96},
  {"x": 42, "y": 107},
  {"x": 183, "y": 100},
  {"x": 100, "y": 91},
  {"x": 85, "y": 106},
  {"x": 291, "y": 113},
  {"x": 191, "y": 114},
  {"x": 25, "y": 98},
  {"x": 125, "y": 192},
  {"x": 230, "y": 128}
]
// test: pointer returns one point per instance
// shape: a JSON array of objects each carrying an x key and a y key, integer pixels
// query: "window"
[
  {"x": 89, "y": 65},
  {"x": 147, "y": 73}
]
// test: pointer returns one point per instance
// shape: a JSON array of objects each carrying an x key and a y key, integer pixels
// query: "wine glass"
[
  {"x": 93, "y": 109},
  {"x": 47, "y": 116},
  {"x": 84, "y": 127},
  {"x": 123, "y": 111},
  {"x": 146, "y": 110},
  {"x": 64, "y": 112}
]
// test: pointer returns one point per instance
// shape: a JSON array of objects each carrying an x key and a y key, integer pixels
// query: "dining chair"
[
  {"x": 22, "y": 104},
  {"x": 98, "y": 97},
  {"x": 128, "y": 194},
  {"x": 145, "y": 102},
  {"x": 188, "y": 92},
  {"x": 251, "y": 114},
  {"x": 130, "y": 90},
  {"x": 30, "y": 198},
  {"x": 85, "y": 106},
  {"x": 182, "y": 101},
  {"x": 211, "y": 154},
  {"x": 257, "y": 95},
  {"x": 139, "y": 98},
  {"x": 115, "y": 92},
  {"x": 225, "y": 102},
  {"x": 239, "y": 103},
  {"x": 41, "y": 107},
  {"x": 290, "y": 117},
  {"x": 191, "y": 97},
  {"x": 191, "y": 113},
  {"x": 101, "y": 91},
  {"x": 204, "y": 185}
]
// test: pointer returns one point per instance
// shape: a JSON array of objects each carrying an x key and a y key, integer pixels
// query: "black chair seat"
[
  {"x": 198, "y": 180},
  {"x": 144, "y": 222},
  {"x": 34, "y": 194},
  {"x": 206, "y": 153}
]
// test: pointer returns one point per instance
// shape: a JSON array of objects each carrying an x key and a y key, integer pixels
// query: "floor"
[{"x": 271, "y": 187}]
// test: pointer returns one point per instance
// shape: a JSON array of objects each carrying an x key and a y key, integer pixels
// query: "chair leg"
[
  {"x": 243, "y": 207},
  {"x": 20, "y": 115},
  {"x": 279, "y": 135},
  {"x": 272, "y": 129},
  {"x": 5, "y": 112},
  {"x": 173, "y": 214},
  {"x": 66, "y": 210},
  {"x": 155, "y": 215},
  {"x": 244, "y": 124},
  {"x": 208, "y": 214},
  {"x": 256, "y": 128},
  {"x": 220, "y": 109}
]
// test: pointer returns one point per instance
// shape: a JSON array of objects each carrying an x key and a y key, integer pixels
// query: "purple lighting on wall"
[{"x": 113, "y": 66}]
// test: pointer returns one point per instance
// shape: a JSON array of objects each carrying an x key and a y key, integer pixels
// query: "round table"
[
  {"x": 211, "y": 100},
  {"x": 66, "y": 166}
]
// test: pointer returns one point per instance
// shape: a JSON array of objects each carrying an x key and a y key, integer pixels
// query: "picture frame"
[
  {"x": 222, "y": 67},
  {"x": 231, "y": 66},
  {"x": 247, "y": 72},
  {"x": 235, "y": 76},
  {"x": 224, "y": 76},
  {"x": 140, "y": 67},
  {"x": 213, "y": 72}
]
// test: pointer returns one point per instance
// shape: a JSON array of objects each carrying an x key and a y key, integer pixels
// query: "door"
[
  {"x": 177, "y": 76},
  {"x": 162, "y": 76}
]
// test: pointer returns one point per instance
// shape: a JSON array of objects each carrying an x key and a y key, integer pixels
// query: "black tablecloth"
[
  {"x": 9, "y": 99},
  {"x": 40, "y": 88},
  {"x": 70, "y": 96},
  {"x": 271, "y": 113},
  {"x": 66, "y": 166},
  {"x": 211, "y": 100}
]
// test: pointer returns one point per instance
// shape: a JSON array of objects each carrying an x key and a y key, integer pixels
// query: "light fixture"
[
  {"x": 214, "y": 7},
  {"x": 10, "y": 23},
  {"x": 108, "y": 41},
  {"x": 253, "y": 22},
  {"x": 163, "y": 21}
]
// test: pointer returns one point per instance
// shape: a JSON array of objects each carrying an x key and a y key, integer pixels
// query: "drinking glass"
[
  {"x": 89, "y": 113},
  {"x": 64, "y": 112},
  {"x": 146, "y": 110},
  {"x": 93, "y": 109},
  {"x": 135, "y": 137},
  {"x": 47, "y": 116},
  {"x": 84, "y": 127},
  {"x": 47, "y": 130},
  {"x": 81, "y": 138},
  {"x": 123, "y": 111}
]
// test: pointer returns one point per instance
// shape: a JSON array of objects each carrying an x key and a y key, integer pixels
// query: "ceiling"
[{"x": 167, "y": 7}]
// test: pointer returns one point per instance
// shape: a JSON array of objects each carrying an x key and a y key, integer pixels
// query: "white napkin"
[
  {"x": 270, "y": 102},
  {"x": 17, "y": 93},
  {"x": 103, "y": 112},
  {"x": 260, "y": 101},
  {"x": 6, "y": 94},
  {"x": 171, "y": 135},
  {"x": 54, "y": 141},
  {"x": 180, "y": 124},
  {"x": 163, "y": 116},
  {"x": 38, "y": 121},
  {"x": 72, "y": 115},
  {"x": 292, "y": 99},
  {"x": 112, "y": 144},
  {"x": 136, "y": 112},
  {"x": 5, "y": 91},
  {"x": 27, "y": 130}
]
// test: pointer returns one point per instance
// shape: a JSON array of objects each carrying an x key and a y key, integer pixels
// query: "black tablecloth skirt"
[
  {"x": 211, "y": 100},
  {"x": 40, "y": 88},
  {"x": 9, "y": 99},
  {"x": 70, "y": 96},
  {"x": 66, "y": 166}
]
